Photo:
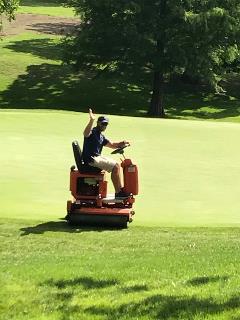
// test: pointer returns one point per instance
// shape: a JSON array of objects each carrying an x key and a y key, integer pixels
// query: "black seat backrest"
[
  {"x": 77, "y": 154},
  {"x": 79, "y": 161}
]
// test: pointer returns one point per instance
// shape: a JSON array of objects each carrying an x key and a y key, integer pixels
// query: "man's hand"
[
  {"x": 123, "y": 144},
  {"x": 91, "y": 114}
]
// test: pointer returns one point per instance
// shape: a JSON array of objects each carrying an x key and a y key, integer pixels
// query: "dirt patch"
[{"x": 26, "y": 22}]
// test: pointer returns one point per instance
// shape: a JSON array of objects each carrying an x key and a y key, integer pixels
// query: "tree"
[
  {"x": 8, "y": 8},
  {"x": 164, "y": 37}
]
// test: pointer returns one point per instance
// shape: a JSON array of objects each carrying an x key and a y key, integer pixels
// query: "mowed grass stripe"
[{"x": 188, "y": 170}]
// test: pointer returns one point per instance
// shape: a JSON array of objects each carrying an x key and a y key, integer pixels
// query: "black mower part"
[
  {"x": 77, "y": 154},
  {"x": 119, "y": 150},
  {"x": 81, "y": 166},
  {"x": 97, "y": 220}
]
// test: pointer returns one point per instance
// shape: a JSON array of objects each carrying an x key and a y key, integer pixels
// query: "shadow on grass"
[
  {"x": 56, "y": 28},
  {"x": 135, "y": 288},
  {"x": 54, "y": 86},
  {"x": 85, "y": 282},
  {"x": 46, "y": 48},
  {"x": 62, "y": 226},
  {"x": 198, "y": 102},
  {"x": 198, "y": 281},
  {"x": 49, "y": 86},
  {"x": 157, "y": 306},
  {"x": 168, "y": 307}
]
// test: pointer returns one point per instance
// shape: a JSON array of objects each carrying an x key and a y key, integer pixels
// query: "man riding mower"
[{"x": 91, "y": 204}]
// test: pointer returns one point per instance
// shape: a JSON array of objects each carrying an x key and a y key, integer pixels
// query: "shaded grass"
[
  {"x": 14, "y": 64},
  {"x": 45, "y": 83},
  {"x": 52, "y": 85},
  {"x": 47, "y": 86},
  {"x": 139, "y": 273},
  {"x": 197, "y": 102}
]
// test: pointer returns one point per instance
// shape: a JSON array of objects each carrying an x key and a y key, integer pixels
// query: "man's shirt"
[{"x": 93, "y": 145}]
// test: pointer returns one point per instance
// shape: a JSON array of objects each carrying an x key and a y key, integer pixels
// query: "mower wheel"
[{"x": 69, "y": 206}]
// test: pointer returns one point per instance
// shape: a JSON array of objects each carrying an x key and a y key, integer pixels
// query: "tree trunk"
[{"x": 156, "y": 105}]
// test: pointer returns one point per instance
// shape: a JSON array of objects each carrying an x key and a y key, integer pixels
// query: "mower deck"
[
  {"x": 113, "y": 212},
  {"x": 98, "y": 220}
]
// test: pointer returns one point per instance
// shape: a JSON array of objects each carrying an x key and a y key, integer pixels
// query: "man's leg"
[
  {"x": 116, "y": 178},
  {"x": 112, "y": 166}
]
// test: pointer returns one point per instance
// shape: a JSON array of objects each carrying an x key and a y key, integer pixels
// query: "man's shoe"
[{"x": 122, "y": 194}]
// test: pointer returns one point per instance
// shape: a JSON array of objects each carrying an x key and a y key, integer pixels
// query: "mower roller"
[{"x": 91, "y": 204}]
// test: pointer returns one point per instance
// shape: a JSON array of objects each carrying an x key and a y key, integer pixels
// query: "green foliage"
[
  {"x": 8, "y": 8},
  {"x": 215, "y": 30},
  {"x": 198, "y": 37}
]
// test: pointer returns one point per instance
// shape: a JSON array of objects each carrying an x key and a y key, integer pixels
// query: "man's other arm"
[{"x": 116, "y": 145}]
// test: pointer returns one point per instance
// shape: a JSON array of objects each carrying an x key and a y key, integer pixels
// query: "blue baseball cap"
[{"x": 103, "y": 119}]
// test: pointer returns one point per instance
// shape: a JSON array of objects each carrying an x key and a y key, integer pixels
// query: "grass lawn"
[
  {"x": 50, "y": 271},
  {"x": 14, "y": 64},
  {"x": 52, "y": 8}
]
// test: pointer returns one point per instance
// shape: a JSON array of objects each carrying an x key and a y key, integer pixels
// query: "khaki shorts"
[{"x": 103, "y": 163}]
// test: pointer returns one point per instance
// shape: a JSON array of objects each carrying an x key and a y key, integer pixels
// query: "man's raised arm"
[{"x": 87, "y": 131}]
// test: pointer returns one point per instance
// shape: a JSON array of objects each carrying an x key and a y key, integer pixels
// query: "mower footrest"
[{"x": 112, "y": 200}]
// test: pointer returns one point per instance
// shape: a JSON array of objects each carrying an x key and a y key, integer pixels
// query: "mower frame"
[{"x": 91, "y": 205}]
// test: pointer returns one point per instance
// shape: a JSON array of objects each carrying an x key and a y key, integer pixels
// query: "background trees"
[
  {"x": 197, "y": 38},
  {"x": 7, "y": 8}
]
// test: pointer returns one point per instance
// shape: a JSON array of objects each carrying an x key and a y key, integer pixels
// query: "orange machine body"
[
  {"x": 80, "y": 190},
  {"x": 130, "y": 176},
  {"x": 91, "y": 204}
]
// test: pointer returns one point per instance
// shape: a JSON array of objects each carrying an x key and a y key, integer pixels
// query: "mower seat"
[{"x": 82, "y": 167}]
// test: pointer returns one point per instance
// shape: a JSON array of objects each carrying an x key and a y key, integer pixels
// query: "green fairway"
[{"x": 189, "y": 170}]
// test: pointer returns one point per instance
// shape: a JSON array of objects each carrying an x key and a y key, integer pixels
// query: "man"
[{"x": 94, "y": 141}]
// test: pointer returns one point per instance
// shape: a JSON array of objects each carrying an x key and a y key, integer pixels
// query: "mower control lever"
[{"x": 120, "y": 150}]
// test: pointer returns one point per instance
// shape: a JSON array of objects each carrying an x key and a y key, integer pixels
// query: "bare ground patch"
[{"x": 26, "y": 22}]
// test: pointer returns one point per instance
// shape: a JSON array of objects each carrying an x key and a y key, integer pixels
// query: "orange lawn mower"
[{"x": 91, "y": 204}]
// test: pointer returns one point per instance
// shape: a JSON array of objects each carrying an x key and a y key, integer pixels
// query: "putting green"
[{"x": 189, "y": 170}]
